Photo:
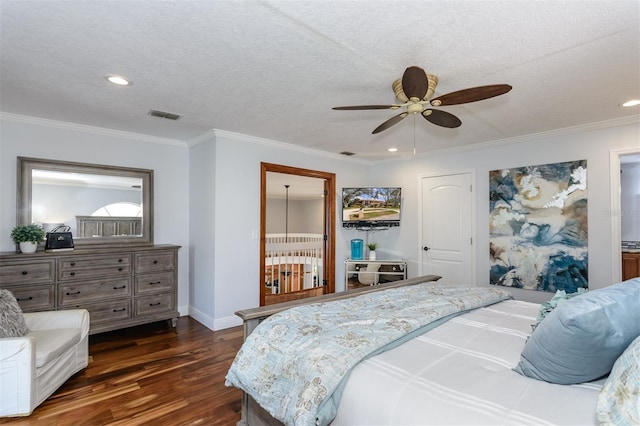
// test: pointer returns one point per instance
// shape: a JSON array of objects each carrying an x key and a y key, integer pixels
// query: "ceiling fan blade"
[
  {"x": 441, "y": 118},
  {"x": 359, "y": 107},
  {"x": 390, "y": 122},
  {"x": 472, "y": 94},
  {"x": 415, "y": 83}
]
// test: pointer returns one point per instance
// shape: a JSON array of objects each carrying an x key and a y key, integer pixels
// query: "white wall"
[
  {"x": 305, "y": 216},
  {"x": 207, "y": 197},
  {"x": 31, "y": 137},
  {"x": 202, "y": 251},
  {"x": 593, "y": 145},
  {"x": 237, "y": 215},
  {"x": 630, "y": 201}
]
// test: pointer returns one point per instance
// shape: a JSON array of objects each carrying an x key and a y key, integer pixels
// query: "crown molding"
[
  {"x": 216, "y": 133},
  {"x": 208, "y": 135},
  {"x": 283, "y": 145},
  {"x": 102, "y": 131},
  {"x": 632, "y": 119}
]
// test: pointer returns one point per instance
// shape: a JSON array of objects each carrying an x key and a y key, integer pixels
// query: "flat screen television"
[{"x": 371, "y": 206}]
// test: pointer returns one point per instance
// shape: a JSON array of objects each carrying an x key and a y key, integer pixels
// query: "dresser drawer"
[
  {"x": 88, "y": 291},
  {"x": 157, "y": 304},
  {"x": 74, "y": 268},
  {"x": 106, "y": 312},
  {"x": 149, "y": 283},
  {"x": 152, "y": 262},
  {"x": 23, "y": 272},
  {"x": 34, "y": 297}
]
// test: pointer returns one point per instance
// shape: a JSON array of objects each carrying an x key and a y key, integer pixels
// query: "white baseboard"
[
  {"x": 214, "y": 323},
  {"x": 227, "y": 322},
  {"x": 201, "y": 317}
]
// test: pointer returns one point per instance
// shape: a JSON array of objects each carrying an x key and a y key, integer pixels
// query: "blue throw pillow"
[
  {"x": 558, "y": 299},
  {"x": 581, "y": 339}
]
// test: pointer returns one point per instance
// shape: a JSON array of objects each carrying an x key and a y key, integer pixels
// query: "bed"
[{"x": 455, "y": 368}]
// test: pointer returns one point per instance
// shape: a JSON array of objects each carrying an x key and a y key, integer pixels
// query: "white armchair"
[{"x": 34, "y": 366}]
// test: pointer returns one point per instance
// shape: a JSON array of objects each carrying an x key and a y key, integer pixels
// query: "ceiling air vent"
[
  {"x": 347, "y": 153},
  {"x": 163, "y": 114}
]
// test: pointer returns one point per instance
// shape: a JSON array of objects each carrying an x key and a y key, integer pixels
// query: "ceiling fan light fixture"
[{"x": 414, "y": 108}]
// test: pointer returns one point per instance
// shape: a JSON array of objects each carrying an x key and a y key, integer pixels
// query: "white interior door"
[{"x": 447, "y": 223}]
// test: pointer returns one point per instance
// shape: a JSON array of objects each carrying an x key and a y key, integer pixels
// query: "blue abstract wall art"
[{"x": 538, "y": 227}]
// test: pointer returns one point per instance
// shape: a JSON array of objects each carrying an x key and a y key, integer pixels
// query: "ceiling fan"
[{"x": 415, "y": 88}]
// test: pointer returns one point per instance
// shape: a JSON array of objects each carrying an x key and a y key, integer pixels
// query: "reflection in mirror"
[
  {"x": 294, "y": 235},
  {"x": 101, "y": 204},
  {"x": 297, "y": 226}
]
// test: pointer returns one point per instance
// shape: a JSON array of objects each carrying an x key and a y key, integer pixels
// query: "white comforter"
[{"x": 460, "y": 374}]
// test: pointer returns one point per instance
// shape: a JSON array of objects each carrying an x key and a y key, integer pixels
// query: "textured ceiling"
[{"x": 274, "y": 69}]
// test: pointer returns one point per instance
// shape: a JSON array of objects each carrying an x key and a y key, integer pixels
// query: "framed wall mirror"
[
  {"x": 103, "y": 205},
  {"x": 297, "y": 233}
]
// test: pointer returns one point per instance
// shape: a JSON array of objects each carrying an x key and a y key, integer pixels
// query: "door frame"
[
  {"x": 474, "y": 201},
  {"x": 329, "y": 220},
  {"x": 614, "y": 212}
]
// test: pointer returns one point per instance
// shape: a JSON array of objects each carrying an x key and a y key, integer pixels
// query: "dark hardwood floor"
[{"x": 151, "y": 374}]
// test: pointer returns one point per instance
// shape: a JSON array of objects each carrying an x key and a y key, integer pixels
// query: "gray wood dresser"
[{"x": 120, "y": 287}]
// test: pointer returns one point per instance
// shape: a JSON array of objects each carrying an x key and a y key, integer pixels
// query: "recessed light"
[
  {"x": 119, "y": 80},
  {"x": 392, "y": 149},
  {"x": 631, "y": 103}
]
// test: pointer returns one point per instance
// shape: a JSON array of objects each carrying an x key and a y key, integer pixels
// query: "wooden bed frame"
[{"x": 252, "y": 413}]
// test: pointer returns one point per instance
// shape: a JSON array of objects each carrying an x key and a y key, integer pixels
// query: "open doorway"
[
  {"x": 297, "y": 233},
  {"x": 623, "y": 212}
]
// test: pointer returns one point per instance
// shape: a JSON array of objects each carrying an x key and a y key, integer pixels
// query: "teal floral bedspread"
[{"x": 296, "y": 362}]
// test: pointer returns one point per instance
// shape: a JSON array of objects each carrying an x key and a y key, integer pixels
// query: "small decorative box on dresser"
[{"x": 119, "y": 287}]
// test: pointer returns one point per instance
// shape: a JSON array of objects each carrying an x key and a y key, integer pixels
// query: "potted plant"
[
  {"x": 372, "y": 250},
  {"x": 27, "y": 237}
]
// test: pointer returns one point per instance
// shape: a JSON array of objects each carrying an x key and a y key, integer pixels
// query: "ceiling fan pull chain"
[{"x": 414, "y": 134}]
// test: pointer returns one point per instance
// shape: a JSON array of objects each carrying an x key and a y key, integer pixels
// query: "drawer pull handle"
[
  {"x": 155, "y": 262},
  {"x": 73, "y": 293},
  {"x": 119, "y": 269},
  {"x": 25, "y": 272},
  {"x": 120, "y": 288},
  {"x": 72, "y": 274},
  {"x": 73, "y": 264},
  {"x": 120, "y": 260},
  {"x": 120, "y": 310},
  {"x": 20, "y": 299},
  {"x": 154, "y": 304},
  {"x": 156, "y": 282}
]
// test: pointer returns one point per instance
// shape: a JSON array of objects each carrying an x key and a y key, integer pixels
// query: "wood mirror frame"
[
  {"x": 25, "y": 190},
  {"x": 329, "y": 225}
]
